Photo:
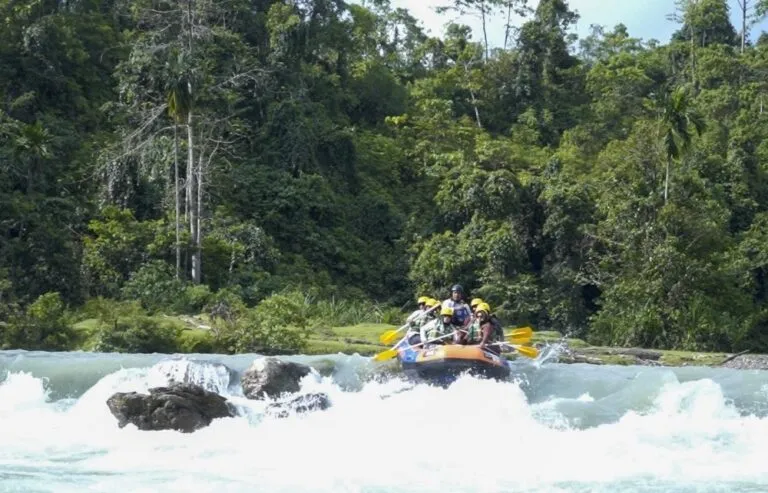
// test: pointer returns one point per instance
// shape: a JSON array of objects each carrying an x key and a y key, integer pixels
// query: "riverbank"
[{"x": 363, "y": 339}]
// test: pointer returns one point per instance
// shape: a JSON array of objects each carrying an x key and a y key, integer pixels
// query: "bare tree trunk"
[
  {"x": 485, "y": 29},
  {"x": 508, "y": 27},
  {"x": 472, "y": 95},
  {"x": 474, "y": 105},
  {"x": 192, "y": 197},
  {"x": 199, "y": 236},
  {"x": 744, "y": 5},
  {"x": 693, "y": 58},
  {"x": 176, "y": 196}
]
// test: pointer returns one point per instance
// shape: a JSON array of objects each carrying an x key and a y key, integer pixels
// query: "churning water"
[{"x": 555, "y": 428}]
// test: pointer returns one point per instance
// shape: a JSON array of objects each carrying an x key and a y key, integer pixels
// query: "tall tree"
[
  {"x": 752, "y": 11},
  {"x": 484, "y": 9},
  {"x": 176, "y": 68},
  {"x": 545, "y": 79},
  {"x": 678, "y": 122}
]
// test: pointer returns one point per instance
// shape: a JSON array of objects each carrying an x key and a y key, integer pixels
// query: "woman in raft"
[{"x": 484, "y": 330}]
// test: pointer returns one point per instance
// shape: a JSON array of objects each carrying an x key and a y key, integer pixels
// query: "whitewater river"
[{"x": 557, "y": 428}]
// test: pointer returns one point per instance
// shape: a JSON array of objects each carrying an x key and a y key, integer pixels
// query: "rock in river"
[
  {"x": 300, "y": 404},
  {"x": 271, "y": 377},
  {"x": 181, "y": 407}
]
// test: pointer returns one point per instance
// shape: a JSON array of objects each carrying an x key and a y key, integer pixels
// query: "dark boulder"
[
  {"x": 181, "y": 407},
  {"x": 271, "y": 377},
  {"x": 301, "y": 404}
]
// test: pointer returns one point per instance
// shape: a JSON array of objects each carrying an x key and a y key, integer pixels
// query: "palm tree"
[
  {"x": 678, "y": 120},
  {"x": 178, "y": 108}
]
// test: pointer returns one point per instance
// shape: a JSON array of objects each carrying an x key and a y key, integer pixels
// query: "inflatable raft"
[{"x": 446, "y": 362}]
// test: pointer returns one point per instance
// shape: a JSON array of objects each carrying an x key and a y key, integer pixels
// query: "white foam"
[{"x": 476, "y": 436}]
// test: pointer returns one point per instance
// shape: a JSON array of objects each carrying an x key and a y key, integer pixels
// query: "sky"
[{"x": 645, "y": 19}]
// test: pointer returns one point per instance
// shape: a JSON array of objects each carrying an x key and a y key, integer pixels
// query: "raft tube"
[{"x": 446, "y": 362}]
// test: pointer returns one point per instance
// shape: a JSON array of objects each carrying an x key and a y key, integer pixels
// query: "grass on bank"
[
  {"x": 191, "y": 335},
  {"x": 363, "y": 339}
]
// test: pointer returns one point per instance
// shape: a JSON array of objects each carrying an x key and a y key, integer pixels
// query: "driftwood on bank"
[
  {"x": 733, "y": 357},
  {"x": 596, "y": 355}
]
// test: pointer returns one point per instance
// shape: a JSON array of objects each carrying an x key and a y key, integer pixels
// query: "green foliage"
[
  {"x": 138, "y": 335},
  {"x": 117, "y": 246},
  {"x": 43, "y": 325},
  {"x": 154, "y": 286},
  {"x": 291, "y": 167},
  {"x": 276, "y": 325},
  {"x": 126, "y": 327}
]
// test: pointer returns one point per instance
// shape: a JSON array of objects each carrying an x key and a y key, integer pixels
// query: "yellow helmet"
[
  {"x": 483, "y": 307},
  {"x": 422, "y": 299},
  {"x": 475, "y": 302},
  {"x": 446, "y": 311},
  {"x": 432, "y": 302}
]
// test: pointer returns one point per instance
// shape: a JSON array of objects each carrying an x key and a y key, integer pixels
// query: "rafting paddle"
[
  {"x": 519, "y": 336},
  {"x": 389, "y": 336},
  {"x": 391, "y": 353},
  {"x": 530, "y": 352},
  {"x": 519, "y": 340},
  {"x": 521, "y": 332}
]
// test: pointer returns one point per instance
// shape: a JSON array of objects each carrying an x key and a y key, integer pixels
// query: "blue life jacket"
[{"x": 461, "y": 311}]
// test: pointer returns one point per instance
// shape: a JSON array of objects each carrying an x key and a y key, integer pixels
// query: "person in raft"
[
  {"x": 461, "y": 311},
  {"x": 473, "y": 305},
  {"x": 483, "y": 331},
  {"x": 419, "y": 318},
  {"x": 417, "y": 314},
  {"x": 441, "y": 326},
  {"x": 494, "y": 319}
]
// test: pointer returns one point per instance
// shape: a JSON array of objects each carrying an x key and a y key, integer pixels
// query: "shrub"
[
  {"x": 277, "y": 325},
  {"x": 43, "y": 325},
  {"x": 125, "y": 327},
  {"x": 139, "y": 334},
  {"x": 155, "y": 286}
]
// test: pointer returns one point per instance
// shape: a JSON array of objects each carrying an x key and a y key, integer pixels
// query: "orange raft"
[{"x": 450, "y": 360}]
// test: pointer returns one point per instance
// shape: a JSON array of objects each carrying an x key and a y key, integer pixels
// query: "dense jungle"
[{"x": 276, "y": 168}]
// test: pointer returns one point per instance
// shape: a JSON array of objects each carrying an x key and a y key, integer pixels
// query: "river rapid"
[{"x": 553, "y": 428}]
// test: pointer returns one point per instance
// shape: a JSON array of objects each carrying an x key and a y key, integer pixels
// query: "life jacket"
[
  {"x": 434, "y": 329},
  {"x": 415, "y": 320},
  {"x": 461, "y": 311},
  {"x": 475, "y": 333}
]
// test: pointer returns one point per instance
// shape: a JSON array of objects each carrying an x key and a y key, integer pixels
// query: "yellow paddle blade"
[
  {"x": 519, "y": 339},
  {"x": 522, "y": 331},
  {"x": 389, "y": 336},
  {"x": 385, "y": 355},
  {"x": 530, "y": 352}
]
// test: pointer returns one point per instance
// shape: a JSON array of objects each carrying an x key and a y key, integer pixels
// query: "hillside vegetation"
[{"x": 286, "y": 167}]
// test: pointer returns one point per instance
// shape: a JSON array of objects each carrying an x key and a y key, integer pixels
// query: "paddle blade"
[
  {"x": 521, "y": 332},
  {"x": 385, "y": 355},
  {"x": 519, "y": 339},
  {"x": 530, "y": 352},
  {"x": 389, "y": 337}
]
